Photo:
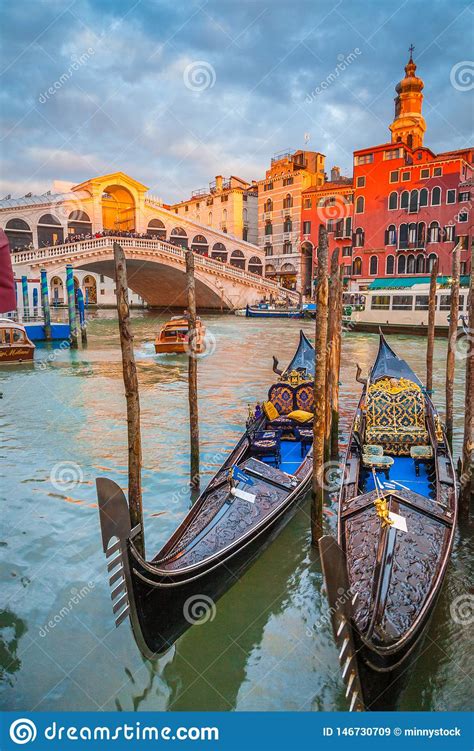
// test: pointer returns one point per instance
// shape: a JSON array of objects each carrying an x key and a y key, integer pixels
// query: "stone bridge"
[{"x": 156, "y": 272}]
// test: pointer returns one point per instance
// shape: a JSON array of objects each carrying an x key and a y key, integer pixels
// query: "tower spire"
[{"x": 409, "y": 125}]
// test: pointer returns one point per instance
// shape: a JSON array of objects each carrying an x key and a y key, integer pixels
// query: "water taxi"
[
  {"x": 15, "y": 346},
  {"x": 173, "y": 337}
]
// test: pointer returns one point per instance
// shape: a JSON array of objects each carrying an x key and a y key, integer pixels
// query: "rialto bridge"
[{"x": 229, "y": 271}]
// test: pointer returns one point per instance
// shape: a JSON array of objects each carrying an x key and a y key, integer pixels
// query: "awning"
[{"x": 410, "y": 281}]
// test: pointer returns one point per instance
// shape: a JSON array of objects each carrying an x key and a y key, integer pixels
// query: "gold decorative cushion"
[
  {"x": 300, "y": 415},
  {"x": 270, "y": 411}
]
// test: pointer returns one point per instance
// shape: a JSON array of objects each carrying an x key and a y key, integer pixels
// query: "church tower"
[{"x": 409, "y": 124}]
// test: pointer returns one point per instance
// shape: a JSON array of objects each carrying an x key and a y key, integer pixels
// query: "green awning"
[{"x": 402, "y": 282}]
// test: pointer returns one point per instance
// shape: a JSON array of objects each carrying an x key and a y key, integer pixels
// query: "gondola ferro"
[
  {"x": 247, "y": 502},
  {"x": 397, "y": 515}
]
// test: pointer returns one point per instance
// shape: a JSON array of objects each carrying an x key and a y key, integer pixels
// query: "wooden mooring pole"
[
  {"x": 331, "y": 359},
  {"x": 320, "y": 396},
  {"x": 45, "y": 303},
  {"x": 71, "y": 306},
  {"x": 192, "y": 371},
  {"x": 334, "y": 438},
  {"x": 431, "y": 328},
  {"x": 452, "y": 341},
  {"x": 467, "y": 462},
  {"x": 130, "y": 380}
]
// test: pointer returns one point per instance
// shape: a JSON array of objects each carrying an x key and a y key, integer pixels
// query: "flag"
[
  {"x": 7, "y": 281},
  {"x": 239, "y": 476}
]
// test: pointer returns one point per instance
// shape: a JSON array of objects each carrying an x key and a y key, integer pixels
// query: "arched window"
[
  {"x": 200, "y": 245},
  {"x": 401, "y": 265},
  {"x": 179, "y": 237},
  {"x": 348, "y": 227},
  {"x": 287, "y": 225},
  {"x": 411, "y": 264},
  {"x": 393, "y": 200},
  {"x": 430, "y": 262},
  {"x": 287, "y": 201},
  {"x": 357, "y": 267},
  {"x": 412, "y": 234},
  {"x": 436, "y": 197},
  {"x": 421, "y": 235},
  {"x": 373, "y": 266},
  {"x": 390, "y": 265},
  {"x": 420, "y": 264},
  {"x": 19, "y": 234},
  {"x": 79, "y": 223},
  {"x": 268, "y": 228},
  {"x": 50, "y": 231},
  {"x": 268, "y": 205},
  {"x": 424, "y": 197},
  {"x": 360, "y": 203},
  {"x": 403, "y": 236},
  {"x": 219, "y": 252},
  {"x": 255, "y": 266},
  {"x": 413, "y": 201},
  {"x": 359, "y": 238},
  {"x": 433, "y": 233},
  {"x": 404, "y": 199},
  {"x": 237, "y": 259},
  {"x": 287, "y": 247},
  {"x": 156, "y": 228},
  {"x": 391, "y": 235}
]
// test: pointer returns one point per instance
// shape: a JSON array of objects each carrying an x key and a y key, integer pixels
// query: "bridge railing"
[{"x": 203, "y": 262}]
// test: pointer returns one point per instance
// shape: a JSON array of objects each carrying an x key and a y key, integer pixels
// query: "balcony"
[{"x": 266, "y": 215}]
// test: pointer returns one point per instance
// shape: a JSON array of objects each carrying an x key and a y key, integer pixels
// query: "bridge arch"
[
  {"x": 156, "y": 228},
  {"x": 237, "y": 259},
  {"x": 178, "y": 236},
  {"x": 219, "y": 252}
]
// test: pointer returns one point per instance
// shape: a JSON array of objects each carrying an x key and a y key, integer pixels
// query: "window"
[
  {"x": 424, "y": 173},
  {"x": 421, "y": 235},
  {"x": 357, "y": 267},
  {"x": 287, "y": 225},
  {"x": 393, "y": 200},
  {"x": 451, "y": 196},
  {"x": 403, "y": 236},
  {"x": 405, "y": 177},
  {"x": 390, "y": 265},
  {"x": 307, "y": 203},
  {"x": 287, "y": 201},
  {"x": 347, "y": 251},
  {"x": 268, "y": 228},
  {"x": 464, "y": 196},
  {"x": 102, "y": 279},
  {"x": 186, "y": 208},
  {"x": 306, "y": 228},
  {"x": 224, "y": 199},
  {"x": 430, "y": 262},
  {"x": 423, "y": 197},
  {"x": 287, "y": 181},
  {"x": 360, "y": 182},
  {"x": 102, "y": 291},
  {"x": 462, "y": 216},
  {"x": 393, "y": 154},
  {"x": 268, "y": 250},
  {"x": 433, "y": 233},
  {"x": 268, "y": 205},
  {"x": 209, "y": 218},
  {"x": 413, "y": 206},
  {"x": 411, "y": 264},
  {"x": 339, "y": 228},
  {"x": 330, "y": 225},
  {"x": 373, "y": 266},
  {"x": 287, "y": 247},
  {"x": 437, "y": 172},
  {"x": 364, "y": 159},
  {"x": 348, "y": 227},
  {"x": 436, "y": 197},
  {"x": 394, "y": 176},
  {"x": 268, "y": 186},
  {"x": 401, "y": 265},
  {"x": 421, "y": 302},
  {"x": 404, "y": 199},
  {"x": 445, "y": 302},
  {"x": 412, "y": 234},
  {"x": 420, "y": 264},
  {"x": 402, "y": 302},
  {"x": 347, "y": 270},
  {"x": 391, "y": 235},
  {"x": 360, "y": 205},
  {"x": 380, "y": 302},
  {"x": 449, "y": 233},
  {"x": 463, "y": 267},
  {"x": 359, "y": 238}
]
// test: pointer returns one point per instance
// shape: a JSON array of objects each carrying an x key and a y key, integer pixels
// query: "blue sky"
[{"x": 174, "y": 93}]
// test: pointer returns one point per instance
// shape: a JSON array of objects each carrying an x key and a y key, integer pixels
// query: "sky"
[{"x": 174, "y": 92}]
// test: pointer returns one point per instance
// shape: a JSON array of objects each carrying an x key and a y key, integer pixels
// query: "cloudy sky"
[{"x": 174, "y": 92}]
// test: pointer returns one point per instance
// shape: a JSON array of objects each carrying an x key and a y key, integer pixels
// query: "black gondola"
[
  {"x": 247, "y": 502},
  {"x": 383, "y": 582}
]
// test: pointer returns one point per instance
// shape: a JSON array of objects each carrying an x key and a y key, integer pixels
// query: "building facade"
[
  {"x": 287, "y": 259},
  {"x": 229, "y": 205}
]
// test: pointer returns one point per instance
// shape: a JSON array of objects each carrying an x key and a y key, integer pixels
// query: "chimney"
[
  {"x": 335, "y": 174},
  {"x": 219, "y": 182}
]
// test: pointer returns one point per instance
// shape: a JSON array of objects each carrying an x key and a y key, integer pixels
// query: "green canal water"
[{"x": 269, "y": 645}]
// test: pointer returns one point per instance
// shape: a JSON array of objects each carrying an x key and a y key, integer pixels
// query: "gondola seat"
[
  {"x": 373, "y": 461},
  {"x": 305, "y": 436},
  {"x": 304, "y": 397},
  {"x": 420, "y": 454},
  {"x": 266, "y": 443},
  {"x": 395, "y": 416}
]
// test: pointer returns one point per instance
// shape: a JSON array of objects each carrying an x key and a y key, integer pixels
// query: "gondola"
[
  {"x": 246, "y": 504},
  {"x": 397, "y": 516}
]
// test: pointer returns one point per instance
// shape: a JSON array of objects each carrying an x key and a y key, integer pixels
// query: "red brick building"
[{"x": 408, "y": 205}]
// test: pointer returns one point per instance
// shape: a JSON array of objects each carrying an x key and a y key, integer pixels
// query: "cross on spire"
[{"x": 410, "y": 49}]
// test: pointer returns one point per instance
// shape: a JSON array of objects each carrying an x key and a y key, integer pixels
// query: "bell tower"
[{"x": 409, "y": 124}]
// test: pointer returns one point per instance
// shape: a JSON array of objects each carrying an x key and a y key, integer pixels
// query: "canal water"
[{"x": 268, "y": 644}]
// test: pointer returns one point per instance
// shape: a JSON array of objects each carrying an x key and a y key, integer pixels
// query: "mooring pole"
[
  {"x": 71, "y": 306},
  {"x": 337, "y": 374},
  {"x": 130, "y": 380},
  {"x": 331, "y": 375},
  {"x": 452, "y": 340},
  {"x": 467, "y": 464},
  {"x": 431, "y": 328},
  {"x": 82, "y": 316},
  {"x": 45, "y": 304},
  {"x": 320, "y": 396},
  {"x": 26, "y": 301},
  {"x": 192, "y": 370}
]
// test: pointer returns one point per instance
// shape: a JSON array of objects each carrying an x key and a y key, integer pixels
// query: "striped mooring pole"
[
  {"x": 26, "y": 302},
  {"x": 45, "y": 304},
  {"x": 82, "y": 316},
  {"x": 71, "y": 305}
]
